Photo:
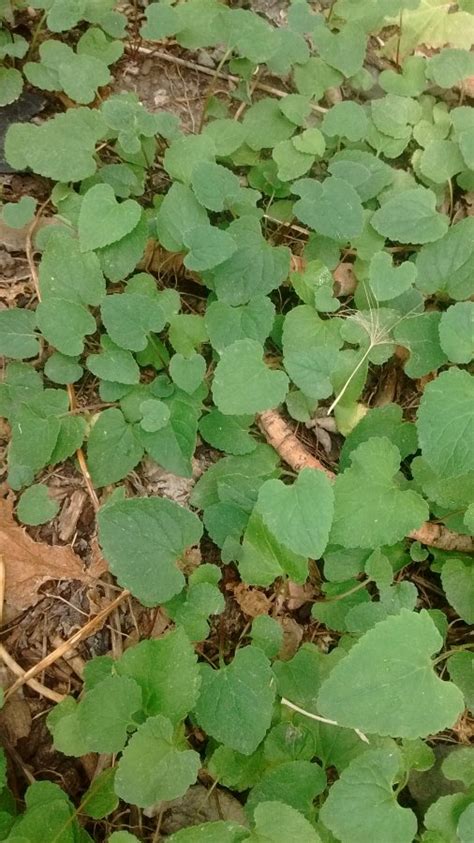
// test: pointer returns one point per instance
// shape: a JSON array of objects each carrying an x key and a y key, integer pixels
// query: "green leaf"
[
  {"x": 409, "y": 82},
  {"x": 457, "y": 577},
  {"x": 113, "y": 450},
  {"x": 299, "y": 679},
  {"x": 288, "y": 512},
  {"x": 179, "y": 212},
  {"x": 364, "y": 171},
  {"x": 61, "y": 148},
  {"x": 442, "y": 816},
  {"x": 294, "y": 783},
  {"x": 315, "y": 77},
  {"x": 216, "y": 832},
  {"x": 456, "y": 332},
  {"x": 67, "y": 273},
  {"x": 64, "y": 324},
  {"x": 441, "y": 160},
  {"x": 279, "y": 823},
  {"x": 310, "y": 141},
  {"x": 388, "y": 281},
  {"x": 448, "y": 265},
  {"x": 410, "y": 217},
  {"x": 243, "y": 383},
  {"x": 17, "y": 333},
  {"x": 103, "y": 220},
  {"x": 267, "y": 635},
  {"x": 466, "y": 820},
  {"x": 19, "y": 214},
  {"x": 227, "y": 433},
  {"x": 226, "y": 324},
  {"x": 100, "y": 798},
  {"x": 345, "y": 50},
  {"x": 107, "y": 712},
  {"x": 94, "y": 42},
  {"x": 226, "y": 134},
  {"x": 11, "y": 85},
  {"x": 265, "y": 125},
  {"x": 364, "y": 494},
  {"x": 208, "y": 247},
  {"x": 62, "y": 369},
  {"x": 184, "y": 154},
  {"x": 130, "y": 318},
  {"x": 113, "y": 364},
  {"x": 393, "y": 116},
  {"x": 392, "y": 662},
  {"x": 419, "y": 333},
  {"x": 36, "y": 507},
  {"x": 332, "y": 208},
  {"x": 123, "y": 836},
  {"x": 459, "y": 765},
  {"x": 263, "y": 559},
  {"x": 153, "y": 766},
  {"x": 450, "y": 67},
  {"x": 246, "y": 688},
  {"x": 445, "y": 414},
  {"x": 235, "y": 770},
  {"x": 173, "y": 445},
  {"x": 214, "y": 186},
  {"x": 291, "y": 162},
  {"x": 142, "y": 540},
  {"x": 152, "y": 665},
  {"x": 156, "y": 415},
  {"x": 335, "y": 611},
  {"x": 381, "y": 421},
  {"x": 227, "y": 472},
  {"x": 362, "y": 804},
  {"x": 461, "y": 671},
  {"x": 346, "y": 120}
]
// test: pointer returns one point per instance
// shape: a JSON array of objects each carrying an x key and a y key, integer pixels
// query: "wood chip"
[{"x": 70, "y": 513}]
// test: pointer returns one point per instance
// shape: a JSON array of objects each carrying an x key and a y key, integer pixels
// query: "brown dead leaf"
[
  {"x": 345, "y": 281},
  {"x": 29, "y": 564},
  {"x": 292, "y": 636},
  {"x": 251, "y": 601}
]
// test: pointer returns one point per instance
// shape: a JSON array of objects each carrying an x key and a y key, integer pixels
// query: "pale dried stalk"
[
  {"x": 71, "y": 642},
  {"x": 312, "y": 716},
  {"x": 280, "y": 435}
]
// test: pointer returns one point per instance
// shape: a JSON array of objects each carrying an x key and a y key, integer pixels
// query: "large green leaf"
[
  {"x": 246, "y": 688},
  {"x": 142, "y": 540},
  {"x": 130, "y": 318},
  {"x": 68, "y": 273},
  {"x": 445, "y": 416},
  {"x": 103, "y": 220},
  {"x": 370, "y": 508},
  {"x": 448, "y": 264},
  {"x": 362, "y": 804},
  {"x": 386, "y": 683},
  {"x": 107, "y": 712},
  {"x": 243, "y": 383}
]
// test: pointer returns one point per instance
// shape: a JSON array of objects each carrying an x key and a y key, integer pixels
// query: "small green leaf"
[
  {"x": 265, "y": 125},
  {"x": 332, "y": 208},
  {"x": 277, "y": 822},
  {"x": 17, "y": 333},
  {"x": 246, "y": 688},
  {"x": 184, "y": 154},
  {"x": 299, "y": 678},
  {"x": 267, "y": 635},
  {"x": 294, "y": 783},
  {"x": 243, "y": 383},
  {"x": 410, "y": 217},
  {"x": 60, "y": 368},
  {"x": 107, "y": 712},
  {"x": 262, "y": 558},
  {"x": 156, "y": 415},
  {"x": 388, "y": 281},
  {"x": 142, "y": 540},
  {"x": 208, "y": 247},
  {"x": 461, "y": 670},
  {"x": 100, "y": 798},
  {"x": 130, "y": 318},
  {"x": 450, "y": 67},
  {"x": 344, "y": 50},
  {"x": 456, "y": 332},
  {"x": 19, "y": 214},
  {"x": 103, "y": 220},
  {"x": 381, "y": 421},
  {"x": 448, "y": 264},
  {"x": 419, "y": 333},
  {"x": 214, "y": 186},
  {"x": 346, "y": 120},
  {"x": 154, "y": 767},
  {"x": 288, "y": 512},
  {"x": 11, "y": 85},
  {"x": 113, "y": 364},
  {"x": 227, "y": 433},
  {"x": 113, "y": 450},
  {"x": 391, "y": 662},
  {"x": 457, "y": 576},
  {"x": 441, "y": 160},
  {"x": 64, "y": 324},
  {"x": 362, "y": 803},
  {"x": 226, "y": 324},
  {"x": 36, "y": 507},
  {"x": 364, "y": 494}
]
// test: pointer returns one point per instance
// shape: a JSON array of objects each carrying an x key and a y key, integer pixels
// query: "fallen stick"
[{"x": 281, "y": 437}]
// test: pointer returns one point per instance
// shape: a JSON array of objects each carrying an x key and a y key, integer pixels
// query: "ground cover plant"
[{"x": 270, "y": 310}]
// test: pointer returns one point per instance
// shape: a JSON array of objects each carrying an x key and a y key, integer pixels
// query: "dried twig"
[
  {"x": 59, "y": 652},
  {"x": 280, "y": 435}
]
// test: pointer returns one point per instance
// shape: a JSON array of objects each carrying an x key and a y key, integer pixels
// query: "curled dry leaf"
[
  {"x": 251, "y": 601},
  {"x": 29, "y": 564}
]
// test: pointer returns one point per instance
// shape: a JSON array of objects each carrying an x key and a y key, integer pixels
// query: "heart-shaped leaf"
[
  {"x": 156, "y": 415},
  {"x": 299, "y": 516},
  {"x": 332, "y": 208},
  {"x": 243, "y": 383},
  {"x": 188, "y": 372},
  {"x": 103, "y": 220}
]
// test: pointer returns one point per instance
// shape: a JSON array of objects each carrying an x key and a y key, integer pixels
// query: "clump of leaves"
[{"x": 378, "y": 178}]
